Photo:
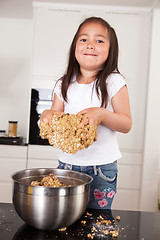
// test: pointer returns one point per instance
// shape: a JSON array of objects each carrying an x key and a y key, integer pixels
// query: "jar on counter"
[
  {"x": 2, "y": 133},
  {"x": 12, "y": 129}
]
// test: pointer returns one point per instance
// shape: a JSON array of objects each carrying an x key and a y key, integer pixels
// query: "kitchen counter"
[
  {"x": 19, "y": 141},
  {"x": 133, "y": 225}
]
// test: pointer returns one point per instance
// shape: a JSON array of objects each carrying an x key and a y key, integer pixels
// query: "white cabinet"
[
  {"x": 12, "y": 159},
  {"x": 51, "y": 48},
  {"x": 42, "y": 156},
  {"x": 15, "y": 158},
  {"x": 129, "y": 181}
]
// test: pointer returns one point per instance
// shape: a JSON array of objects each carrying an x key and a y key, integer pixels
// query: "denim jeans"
[{"x": 104, "y": 185}]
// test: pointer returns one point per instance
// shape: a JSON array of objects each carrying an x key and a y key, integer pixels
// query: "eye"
[
  {"x": 100, "y": 41},
  {"x": 83, "y": 40}
]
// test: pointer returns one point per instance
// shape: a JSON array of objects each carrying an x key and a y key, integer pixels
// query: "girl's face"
[{"x": 92, "y": 46}]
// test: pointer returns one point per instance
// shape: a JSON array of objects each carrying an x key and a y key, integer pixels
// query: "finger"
[
  {"x": 58, "y": 113},
  {"x": 50, "y": 121},
  {"x": 92, "y": 122},
  {"x": 84, "y": 122},
  {"x": 81, "y": 112},
  {"x": 44, "y": 120}
]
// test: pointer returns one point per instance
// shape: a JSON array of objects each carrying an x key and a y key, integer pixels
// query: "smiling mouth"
[{"x": 89, "y": 54}]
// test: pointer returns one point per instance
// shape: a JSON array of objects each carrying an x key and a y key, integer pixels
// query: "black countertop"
[
  {"x": 12, "y": 141},
  {"x": 133, "y": 225}
]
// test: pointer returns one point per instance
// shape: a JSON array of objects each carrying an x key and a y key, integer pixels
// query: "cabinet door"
[
  {"x": 6, "y": 192},
  {"x": 42, "y": 156},
  {"x": 9, "y": 166},
  {"x": 53, "y": 32},
  {"x": 11, "y": 151},
  {"x": 126, "y": 199},
  {"x": 12, "y": 159},
  {"x": 39, "y": 163}
]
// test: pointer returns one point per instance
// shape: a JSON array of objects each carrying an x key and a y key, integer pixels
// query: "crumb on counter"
[
  {"x": 62, "y": 229},
  {"x": 88, "y": 214},
  {"x": 89, "y": 236},
  {"x": 118, "y": 218},
  {"x": 83, "y": 222},
  {"x": 114, "y": 233}
]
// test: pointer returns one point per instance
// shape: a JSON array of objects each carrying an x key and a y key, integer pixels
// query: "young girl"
[{"x": 94, "y": 86}]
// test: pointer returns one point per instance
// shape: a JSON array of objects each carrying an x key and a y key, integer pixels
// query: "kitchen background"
[{"x": 35, "y": 37}]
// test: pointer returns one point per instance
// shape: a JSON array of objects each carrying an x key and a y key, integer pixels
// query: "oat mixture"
[
  {"x": 48, "y": 181},
  {"x": 65, "y": 134}
]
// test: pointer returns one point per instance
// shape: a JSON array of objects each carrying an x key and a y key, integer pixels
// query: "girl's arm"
[
  {"x": 56, "y": 108},
  {"x": 120, "y": 120}
]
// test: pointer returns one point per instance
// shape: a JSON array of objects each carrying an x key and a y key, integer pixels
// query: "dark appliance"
[{"x": 41, "y": 99}]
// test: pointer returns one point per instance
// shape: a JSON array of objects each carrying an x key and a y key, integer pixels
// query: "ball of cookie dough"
[{"x": 65, "y": 134}]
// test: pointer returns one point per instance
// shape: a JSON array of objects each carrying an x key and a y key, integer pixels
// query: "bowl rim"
[{"x": 57, "y": 169}]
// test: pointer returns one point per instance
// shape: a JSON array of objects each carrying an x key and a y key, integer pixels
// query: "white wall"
[
  {"x": 152, "y": 128},
  {"x": 151, "y": 155},
  {"x": 15, "y": 69}
]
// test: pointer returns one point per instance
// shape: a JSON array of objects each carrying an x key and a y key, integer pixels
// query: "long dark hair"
[{"x": 110, "y": 66}]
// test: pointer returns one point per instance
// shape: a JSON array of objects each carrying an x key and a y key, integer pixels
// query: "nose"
[{"x": 90, "y": 46}]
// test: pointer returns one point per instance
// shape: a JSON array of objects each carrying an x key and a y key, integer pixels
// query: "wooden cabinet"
[{"x": 12, "y": 159}]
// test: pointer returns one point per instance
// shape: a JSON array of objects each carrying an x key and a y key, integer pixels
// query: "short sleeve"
[
  {"x": 57, "y": 90},
  {"x": 114, "y": 83}
]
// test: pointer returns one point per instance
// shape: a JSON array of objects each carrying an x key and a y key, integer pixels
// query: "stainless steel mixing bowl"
[{"x": 49, "y": 208}]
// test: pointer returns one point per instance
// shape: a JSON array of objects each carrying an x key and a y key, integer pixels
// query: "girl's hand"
[
  {"x": 47, "y": 115},
  {"x": 119, "y": 120},
  {"x": 57, "y": 109},
  {"x": 93, "y": 116}
]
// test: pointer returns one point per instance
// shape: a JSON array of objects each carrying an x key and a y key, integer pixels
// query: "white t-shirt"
[{"x": 80, "y": 96}]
